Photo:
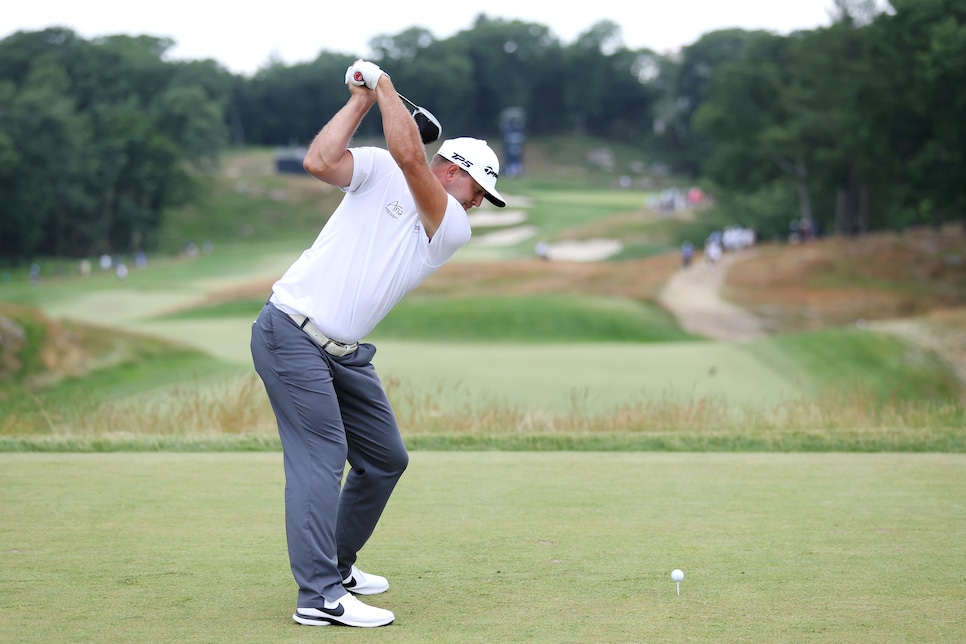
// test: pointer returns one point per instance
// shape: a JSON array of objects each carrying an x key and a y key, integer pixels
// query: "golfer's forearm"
[
  {"x": 329, "y": 146},
  {"x": 406, "y": 147},
  {"x": 402, "y": 135}
]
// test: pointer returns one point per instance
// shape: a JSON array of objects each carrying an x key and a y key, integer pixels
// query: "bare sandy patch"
[{"x": 637, "y": 279}]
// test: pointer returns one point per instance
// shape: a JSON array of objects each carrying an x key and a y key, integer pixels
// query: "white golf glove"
[
  {"x": 362, "y": 72},
  {"x": 350, "y": 77}
]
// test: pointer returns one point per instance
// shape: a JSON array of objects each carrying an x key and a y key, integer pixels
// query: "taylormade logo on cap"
[
  {"x": 459, "y": 158},
  {"x": 479, "y": 161}
]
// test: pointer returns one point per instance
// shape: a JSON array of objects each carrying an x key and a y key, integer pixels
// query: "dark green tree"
[
  {"x": 920, "y": 57},
  {"x": 608, "y": 87},
  {"x": 97, "y": 138},
  {"x": 749, "y": 129},
  {"x": 689, "y": 80},
  {"x": 288, "y": 105},
  {"x": 46, "y": 154}
]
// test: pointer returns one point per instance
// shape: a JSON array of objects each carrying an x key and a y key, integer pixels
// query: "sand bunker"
[
  {"x": 587, "y": 250},
  {"x": 507, "y": 237},
  {"x": 493, "y": 219},
  {"x": 512, "y": 233}
]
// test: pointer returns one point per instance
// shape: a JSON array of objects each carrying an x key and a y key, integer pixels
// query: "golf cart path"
[{"x": 693, "y": 296}]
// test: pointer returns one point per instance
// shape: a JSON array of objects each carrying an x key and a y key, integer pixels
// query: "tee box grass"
[
  {"x": 492, "y": 546},
  {"x": 497, "y": 547}
]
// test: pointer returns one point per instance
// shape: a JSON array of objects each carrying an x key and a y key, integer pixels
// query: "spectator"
[
  {"x": 687, "y": 252},
  {"x": 542, "y": 250}
]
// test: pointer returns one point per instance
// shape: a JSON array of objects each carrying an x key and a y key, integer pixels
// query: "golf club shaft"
[
  {"x": 415, "y": 107},
  {"x": 358, "y": 77}
]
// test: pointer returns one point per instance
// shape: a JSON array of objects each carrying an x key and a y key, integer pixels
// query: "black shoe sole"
[{"x": 306, "y": 620}]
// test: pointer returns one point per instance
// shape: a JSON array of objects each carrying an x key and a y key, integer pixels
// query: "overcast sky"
[{"x": 243, "y": 36}]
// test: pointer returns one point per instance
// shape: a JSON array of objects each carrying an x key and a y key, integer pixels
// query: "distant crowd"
[
  {"x": 674, "y": 200},
  {"x": 732, "y": 238},
  {"x": 107, "y": 262}
]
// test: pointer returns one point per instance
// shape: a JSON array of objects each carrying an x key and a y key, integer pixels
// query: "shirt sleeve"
[
  {"x": 363, "y": 165},
  {"x": 452, "y": 234}
]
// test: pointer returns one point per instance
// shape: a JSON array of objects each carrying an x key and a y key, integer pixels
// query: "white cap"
[{"x": 479, "y": 161}]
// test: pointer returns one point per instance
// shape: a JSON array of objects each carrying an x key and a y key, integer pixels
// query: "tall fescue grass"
[
  {"x": 235, "y": 415},
  {"x": 226, "y": 408}
]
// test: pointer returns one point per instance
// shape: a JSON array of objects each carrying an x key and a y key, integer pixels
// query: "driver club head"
[{"x": 429, "y": 127}]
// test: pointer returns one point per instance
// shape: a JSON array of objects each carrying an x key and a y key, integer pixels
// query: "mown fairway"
[{"x": 492, "y": 547}]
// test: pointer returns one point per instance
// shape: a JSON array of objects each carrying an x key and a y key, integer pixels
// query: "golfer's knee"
[
  {"x": 397, "y": 463},
  {"x": 389, "y": 465}
]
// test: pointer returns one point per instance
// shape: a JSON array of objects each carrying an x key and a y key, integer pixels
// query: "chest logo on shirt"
[{"x": 394, "y": 209}]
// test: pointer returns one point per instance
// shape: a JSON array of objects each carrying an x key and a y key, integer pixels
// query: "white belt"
[{"x": 330, "y": 346}]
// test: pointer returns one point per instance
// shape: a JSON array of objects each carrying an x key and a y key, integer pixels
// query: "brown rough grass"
[
  {"x": 840, "y": 280},
  {"x": 637, "y": 279}
]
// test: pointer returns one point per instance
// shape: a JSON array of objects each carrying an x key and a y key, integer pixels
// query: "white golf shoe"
[
  {"x": 347, "y": 611},
  {"x": 362, "y": 583}
]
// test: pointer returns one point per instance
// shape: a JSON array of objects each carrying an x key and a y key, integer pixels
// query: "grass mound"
[
  {"x": 55, "y": 373},
  {"x": 36, "y": 351}
]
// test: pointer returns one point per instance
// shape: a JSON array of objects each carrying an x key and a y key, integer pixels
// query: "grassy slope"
[
  {"x": 845, "y": 358},
  {"x": 68, "y": 368}
]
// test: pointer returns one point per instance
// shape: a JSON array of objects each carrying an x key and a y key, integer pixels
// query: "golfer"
[{"x": 400, "y": 220}]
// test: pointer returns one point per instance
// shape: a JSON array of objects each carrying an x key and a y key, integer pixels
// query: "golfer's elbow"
[
  {"x": 315, "y": 165},
  {"x": 337, "y": 173}
]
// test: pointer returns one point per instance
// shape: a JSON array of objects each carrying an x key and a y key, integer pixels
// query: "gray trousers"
[{"x": 329, "y": 410}]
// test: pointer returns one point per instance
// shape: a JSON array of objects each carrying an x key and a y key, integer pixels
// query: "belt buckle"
[
  {"x": 330, "y": 346},
  {"x": 338, "y": 349}
]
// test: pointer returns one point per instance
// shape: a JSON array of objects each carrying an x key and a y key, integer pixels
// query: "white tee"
[{"x": 371, "y": 252}]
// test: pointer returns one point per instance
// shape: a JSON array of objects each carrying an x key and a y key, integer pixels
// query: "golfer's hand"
[
  {"x": 362, "y": 72},
  {"x": 350, "y": 79}
]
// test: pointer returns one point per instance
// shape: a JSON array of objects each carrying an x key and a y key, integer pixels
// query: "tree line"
[{"x": 853, "y": 127}]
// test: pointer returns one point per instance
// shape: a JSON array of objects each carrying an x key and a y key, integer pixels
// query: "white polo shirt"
[{"x": 371, "y": 252}]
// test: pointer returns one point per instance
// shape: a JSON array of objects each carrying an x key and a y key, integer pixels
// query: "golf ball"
[{"x": 677, "y": 575}]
